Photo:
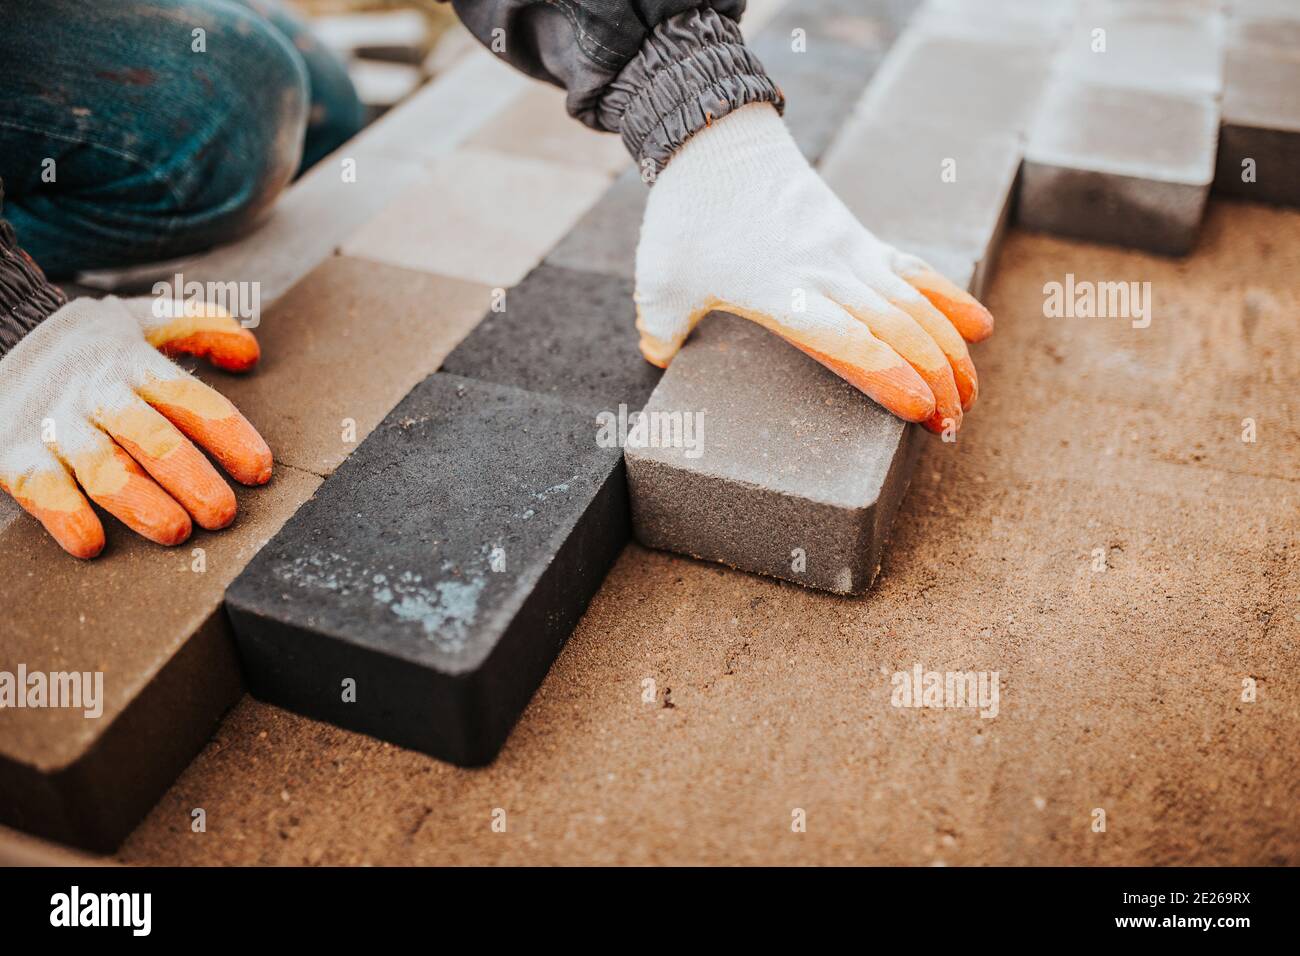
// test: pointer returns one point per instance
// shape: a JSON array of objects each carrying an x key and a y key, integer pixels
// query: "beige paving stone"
[
  {"x": 536, "y": 124},
  {"x": 341, "y": 348},
  {"x": 482, "y": 215},
  {"x": 152, "y": 625}
]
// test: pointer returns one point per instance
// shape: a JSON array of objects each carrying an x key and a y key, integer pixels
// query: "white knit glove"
[
  {"x": 738, "y": 221},
  {"x": 85, "y": 399}
]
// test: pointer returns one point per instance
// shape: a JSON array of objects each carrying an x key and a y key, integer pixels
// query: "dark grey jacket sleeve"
[
  {"x": 654, "y": 71},
  {"x": 26, "y": 296}
]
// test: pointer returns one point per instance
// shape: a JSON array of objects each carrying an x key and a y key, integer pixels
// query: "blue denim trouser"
[{"x": 139, "y": 130}]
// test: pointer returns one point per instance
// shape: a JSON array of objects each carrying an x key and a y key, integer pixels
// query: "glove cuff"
[
  {"x": 693, "y": 69},
  {"x": 26, "y": 296}
]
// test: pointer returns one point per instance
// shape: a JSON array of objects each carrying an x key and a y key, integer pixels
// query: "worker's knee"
[{"x": 241, "y": 115}]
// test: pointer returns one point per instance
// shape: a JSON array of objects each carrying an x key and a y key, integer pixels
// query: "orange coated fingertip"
[
  {"x": 207, "y": 418},
  {"x": 52, "y": 499},
  {"x": 968, "y": 383},
  {"x": 234, "y": 350},
  {"x": 898, "y": 388},
  {"x": 116, "y": 483},
  {"x": 969, "y": 318},
  {"x": 189, "y": 478}
]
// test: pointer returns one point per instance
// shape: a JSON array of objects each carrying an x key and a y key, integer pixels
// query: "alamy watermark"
[
  {"x": 177, "y": 297},
  {"x": 653, "y": 429},
  {"x": 1085, "y": 299},
  {"x": 946, "y": 689},
  {"x": 74, "y": 690}
]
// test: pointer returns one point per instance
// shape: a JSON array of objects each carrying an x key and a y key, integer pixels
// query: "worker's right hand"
[{"x": 89, "y": 408}]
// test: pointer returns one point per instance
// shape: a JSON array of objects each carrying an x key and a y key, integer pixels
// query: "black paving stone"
[
  {"x": 566, "y": 333},
  {"x": 387, "y": 576}
]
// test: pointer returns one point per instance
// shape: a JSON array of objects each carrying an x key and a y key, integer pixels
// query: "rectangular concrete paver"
[
  {"x": 537, "y": 124},
  {"x": 149, "y": 620},
  {"x": 1125, "y": 166},
  {"x": 341, "y": 349},
  {"x": 565, "y": 333},
  {"x": 945, "y": 188},
  {"x": 447, "y": 111},
  {"x": 1259, "y": 140},
  {"x": 483, "y": 216},
  {"x": 1149, "y": 48},
  {"x": 440, "y": 569},
  {"x": 605, "y": 238},
  {"x": 310, "y": 221},
  {"x": 973, "y": 84},
  {"x": 798, "y": 475}
]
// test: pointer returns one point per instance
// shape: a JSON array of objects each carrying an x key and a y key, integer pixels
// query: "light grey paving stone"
[
  {"x": 482, "y": 215},
  {"x": 1259, "y": 140},
  {"x": 996, "y": 19},
  {"x": 797, "y": 475},
  {"x": 395, "y": 35},
  {"x": 920, "y": 185},
  {"x": 1145, "y": 47},
  {"x": 1129, "y": 167},
  {"x": 309, "y": 222},
  {"x": 446, "y": 112},
  {"x": 974, "y": 84}
]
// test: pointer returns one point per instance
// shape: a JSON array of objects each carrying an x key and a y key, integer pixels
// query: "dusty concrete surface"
[{"x": 1120, "y": 690}]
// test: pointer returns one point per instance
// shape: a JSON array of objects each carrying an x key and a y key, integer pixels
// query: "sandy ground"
[{"x": 1120, "y": 690}]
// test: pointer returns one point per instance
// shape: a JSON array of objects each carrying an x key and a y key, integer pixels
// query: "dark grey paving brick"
[
  {"x": 563, "y": 332},
  {"x": 1124, "y": 166},
  {"x": 604, "y": 240},
  {"x": 798, "y": 476},
  {"x": 387, "y": 576},
  {"x": 1259, "y": 141}
]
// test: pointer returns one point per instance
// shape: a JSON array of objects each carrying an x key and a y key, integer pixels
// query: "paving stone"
[
  {"x": 381, "y": 85},
  {"x": 605, "y": 238},
  {"x": 341, "y": 348},
  {"x": 536, "y": 124},
  {"x": 822, "y": 54},
  {"x": 152, "y": 625},
  {"x": 995, "y": 19},
  {"x": 397, "y": 35},
  {"x": 447, "y": 111},
  {"x": 308, "y": 223},
  {"x": 795, "y": 463},
  {"x": 482, "y": 215},
  {"x": 564, "y": 333},
  {"x": 891, "y": 174},
  {"x": 1261, "y": 123},
  {"x": 1129, "y": 167},
  {"x": 1146, "y": 48},
  {"x": 977, "y": 84},
  {"x": 387, "y": 576}
]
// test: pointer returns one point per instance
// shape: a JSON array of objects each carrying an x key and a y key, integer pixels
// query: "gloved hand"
[
  {"x": 738, "y": 221},
  {"x": 85, "y": 399}
]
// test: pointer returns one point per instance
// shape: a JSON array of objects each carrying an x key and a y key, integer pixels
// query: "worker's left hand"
[{"x": 738, "y": 221}]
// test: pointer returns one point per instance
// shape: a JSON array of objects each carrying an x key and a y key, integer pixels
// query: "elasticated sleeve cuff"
[{"x": 693, "y": 68}]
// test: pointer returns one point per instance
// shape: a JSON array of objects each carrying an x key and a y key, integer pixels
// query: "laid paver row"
[
  {"x": 344, "y": 339},
  {"x": 439, "y": 571}
]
